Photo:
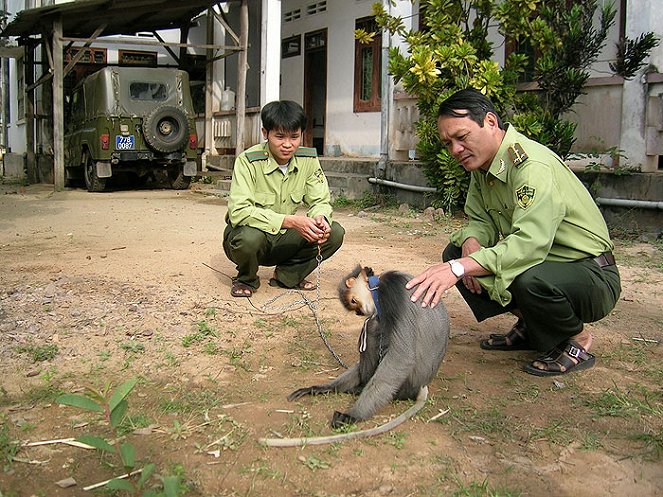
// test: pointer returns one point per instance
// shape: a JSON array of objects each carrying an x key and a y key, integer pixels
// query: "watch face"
[{"x": 457, "y": 269}]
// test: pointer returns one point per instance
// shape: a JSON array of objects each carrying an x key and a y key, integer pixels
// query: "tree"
[{"x": 558, "y": 42}]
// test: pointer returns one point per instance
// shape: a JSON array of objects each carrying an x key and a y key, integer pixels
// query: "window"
[
  {"x": 90, "y": 55},
  {"x": 368, "y": 61},
  {"x": 140, "y": 90},
  {"x": 291, "y": 46},
  {"x": 137, "y": 58}
]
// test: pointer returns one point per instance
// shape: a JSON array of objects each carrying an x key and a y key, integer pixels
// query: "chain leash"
[{"x": 312, "y": 304}]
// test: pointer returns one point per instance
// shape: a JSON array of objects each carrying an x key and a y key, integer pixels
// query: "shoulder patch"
[
  {"x": 525, "y": 196},
  {"x": 257, "y": 155},
  {"x": 306, "y": 152},
  {"x": 517, "y": 154}
]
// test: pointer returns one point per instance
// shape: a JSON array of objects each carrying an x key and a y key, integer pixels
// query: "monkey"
[{"x": 401, "y": 345}]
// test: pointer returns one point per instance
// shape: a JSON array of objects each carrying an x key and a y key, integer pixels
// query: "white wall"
[{"x": 355, "y": 133}]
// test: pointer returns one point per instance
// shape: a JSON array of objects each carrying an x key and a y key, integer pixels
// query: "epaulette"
[
  {"x": 257, "y": 155},
  {"x": 517, "y": 154},
  {"x": 306, "y": 152}
]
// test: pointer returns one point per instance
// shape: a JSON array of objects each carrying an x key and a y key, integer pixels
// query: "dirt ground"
[{"x": 96, "y": 289}]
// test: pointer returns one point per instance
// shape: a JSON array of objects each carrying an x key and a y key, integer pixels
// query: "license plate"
[{"x": 124, "y": 142}]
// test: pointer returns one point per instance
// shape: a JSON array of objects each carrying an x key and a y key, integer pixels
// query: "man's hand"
[
  {"x": 313, "y": 230},
  {"x": 434, "y": 282},
  {"x": 470, "y": 246}
]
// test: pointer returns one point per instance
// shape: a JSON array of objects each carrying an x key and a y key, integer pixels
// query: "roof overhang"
[{"x": 81, "y": 18}]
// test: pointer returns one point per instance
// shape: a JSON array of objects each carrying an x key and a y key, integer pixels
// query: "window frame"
[{"x": 374, "y": 103}]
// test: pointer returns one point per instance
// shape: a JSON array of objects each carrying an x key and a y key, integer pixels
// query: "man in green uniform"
[
  {"x": 270, "y": 182},
  {"x": 536, "y": 244}
]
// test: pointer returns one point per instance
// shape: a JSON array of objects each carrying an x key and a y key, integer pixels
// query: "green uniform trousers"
[
  {"x": 555, "y": 298},
  {"x": 294, "y": 258}
]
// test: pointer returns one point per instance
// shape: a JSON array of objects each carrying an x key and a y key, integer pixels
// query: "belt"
[{"x": 605, "y": 259}]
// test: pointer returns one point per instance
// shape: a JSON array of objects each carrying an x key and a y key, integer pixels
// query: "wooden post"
[
  {"x": 241, "y": 75},
  {"x": 58, "y": 107},
  {"x": 29, "y": 78}
]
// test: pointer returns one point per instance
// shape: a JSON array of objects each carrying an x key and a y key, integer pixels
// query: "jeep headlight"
[{"x": 124, "y": 129}]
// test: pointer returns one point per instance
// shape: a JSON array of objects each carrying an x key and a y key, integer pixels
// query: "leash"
[{"x": 312, "y": 305}]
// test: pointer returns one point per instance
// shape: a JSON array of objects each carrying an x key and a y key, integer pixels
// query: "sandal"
[
  {"x": 240, "y": 289},
  {"x": 516, "y": 339},
  {"x": 305, "y": 285},
  {"x": 562, "y": 361}
]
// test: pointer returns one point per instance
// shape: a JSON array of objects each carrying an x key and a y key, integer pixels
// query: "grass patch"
[
  {"x": 39, "y": 353},
  {"x": 618, "y": 403},
  {"x": 189, "y": 401},
  {"x": 653, "y": 442},
  {"x": 203, "y": 332},
  {"x": 492, "y": 421},
  {"x": 557, "y": 432},
  {"x": 8, "y": 448},
  {"x": 474, "y": 489}
]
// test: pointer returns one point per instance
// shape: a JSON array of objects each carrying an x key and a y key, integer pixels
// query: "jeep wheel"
[
  {"x": 93, "y": 182},
  {"x": 177, "y": 179},
  {"x": 166, "y": 129}
]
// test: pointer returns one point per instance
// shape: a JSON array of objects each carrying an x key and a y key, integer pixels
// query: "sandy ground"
[{"x": 96, "y": 289}]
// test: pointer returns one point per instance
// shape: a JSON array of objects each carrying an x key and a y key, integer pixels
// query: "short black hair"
[
  {"x": 475, "y": 104},
  {"x": 284, "y": 115}
]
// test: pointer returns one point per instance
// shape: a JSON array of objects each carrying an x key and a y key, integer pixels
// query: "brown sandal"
[
  {"x": 573, "y": 357},
  {"x": 240, "y": 289},
  {"x": 516, "y": 339}
]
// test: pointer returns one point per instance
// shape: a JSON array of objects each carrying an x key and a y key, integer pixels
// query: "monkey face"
[{"x": 356, "y": 295}]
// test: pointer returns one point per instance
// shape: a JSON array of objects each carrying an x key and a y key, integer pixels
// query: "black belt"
[{"x": 605, "y": 259}]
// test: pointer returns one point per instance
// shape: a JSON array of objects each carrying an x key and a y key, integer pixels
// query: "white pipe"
[
  {"x": 622, "y": 202},
  {"x": 402, "y": 186}
]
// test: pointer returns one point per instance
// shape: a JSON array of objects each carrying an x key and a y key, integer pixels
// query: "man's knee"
[
  {"x": 246, "y": 239},
  {"x": 529, "y": 284}
]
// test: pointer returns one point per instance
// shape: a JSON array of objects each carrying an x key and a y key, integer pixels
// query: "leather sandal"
[
  {"x": 515, "y": 339},
  {"x": 240, "y": 289},
  {"x": 573, "y": 357}
]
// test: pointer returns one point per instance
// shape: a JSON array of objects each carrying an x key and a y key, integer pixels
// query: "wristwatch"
[{"x": 457, "y": 268}]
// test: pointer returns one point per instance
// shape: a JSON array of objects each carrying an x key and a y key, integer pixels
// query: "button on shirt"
[
  {"x": 261, "y": 195},
  {"x": 528, "y": 213}
]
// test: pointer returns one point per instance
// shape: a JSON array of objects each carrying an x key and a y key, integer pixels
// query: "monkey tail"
[{"x": 297, "y": 442}]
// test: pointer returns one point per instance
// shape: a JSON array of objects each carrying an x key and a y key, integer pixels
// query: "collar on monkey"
[{"x": 373, "y": 285}]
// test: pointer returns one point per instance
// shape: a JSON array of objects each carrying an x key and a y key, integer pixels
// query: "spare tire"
[{"x": 166, "y": 129}]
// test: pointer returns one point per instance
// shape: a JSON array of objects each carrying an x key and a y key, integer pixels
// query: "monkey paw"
[
  {"x": 340, "y": 419},
  {"x": 300, "y": 393}
]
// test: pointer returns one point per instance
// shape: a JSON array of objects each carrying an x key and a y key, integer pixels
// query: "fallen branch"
[
  {"x": 102, "y": 483},
  {"x": 646, "y": 340},
  {"x": 66, "y": 441}
]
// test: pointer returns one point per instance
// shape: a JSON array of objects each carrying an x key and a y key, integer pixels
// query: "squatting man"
[
  {"x": 271, "y": 180},
  {"x": 536, "y": 244}
]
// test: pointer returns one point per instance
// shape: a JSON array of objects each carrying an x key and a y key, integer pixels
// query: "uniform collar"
[{"x": 500, "y": 165}]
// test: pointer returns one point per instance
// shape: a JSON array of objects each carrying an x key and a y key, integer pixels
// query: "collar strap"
[{"x": 373, "y": 285}]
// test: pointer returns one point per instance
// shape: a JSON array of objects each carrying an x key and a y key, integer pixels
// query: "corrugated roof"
[{"x": 82, "y": 17}]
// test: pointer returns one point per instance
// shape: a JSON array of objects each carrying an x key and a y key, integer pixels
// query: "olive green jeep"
[{"x": 131, "y": 119}]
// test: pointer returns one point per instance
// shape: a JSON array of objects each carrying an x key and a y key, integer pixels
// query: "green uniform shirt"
[
  {"x": 261, "y": 195},
  {"x": 528, "y": 208}
]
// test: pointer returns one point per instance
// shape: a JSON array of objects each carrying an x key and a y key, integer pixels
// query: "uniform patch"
[
  {"x": 525, "y": 196},
  {"x": 320, "y": 175}
]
